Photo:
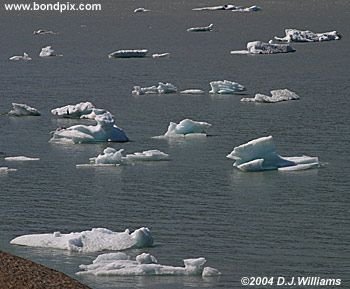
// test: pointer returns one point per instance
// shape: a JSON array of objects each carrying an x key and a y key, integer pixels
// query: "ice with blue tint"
[
  {"x": 260, "y": 155},
  {"x": 94, "y": 240}
]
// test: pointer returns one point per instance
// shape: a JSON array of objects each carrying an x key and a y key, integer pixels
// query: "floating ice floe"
[
  {"x": 20, "y": 109},
  {"x": 186, "y": 128},
  {"x": 230, "y": 7},
  {"x": 149, "y": 155},
  {"x": 253, "y": 8},
  {"x": 295, "y": 35},
  {"x": 260, "y": 155},
  {"x": 43, "y": 32},
  {"x": 128, "y": 53},
  {"x": 104, "y": 131},
  {"x": 48, "y": 52},
  {"x": 259, "y": 47},
  {"x": 160, "y": 55},
  {"x": 226, "y": 87},
  {"x": 5, "y": 170},
  {"x": 161, "y": 88},
  {"x": 192, "y": 91},
  {"x": 20, "y": 159},
  {"x": 25, "y": 57},
  {"x": 120, "y": 264},
  {"x": 97, "y": 239},
  {"x": 201, "y": 29},
  {"x": 141, "y": 9},
  {"x": 79, "y": 110},
  {"x": 277, "y": 95}
]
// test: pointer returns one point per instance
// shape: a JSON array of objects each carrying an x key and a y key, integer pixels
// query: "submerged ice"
[
  {"x": 20, "y": 109},
  {"x": 295, "y": 35},
  {"x": 97, "y": 239},
  {"x": 260, "y": 47},
  {"x": 105, "y": 130},
  {"x": 120, "y": 264},
  {"x": 226, "y": 87},
  {"x": 277, "y": 95},
  {"x": 260, "y": 154}
]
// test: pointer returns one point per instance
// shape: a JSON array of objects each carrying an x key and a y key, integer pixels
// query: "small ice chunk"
[
  {"x": 21, "y": 159},
  {"x": 146, "y": 258},
  {"x": 192, "y": 91},
  {"x": 20, "y": 109},
  {"x": 162, "y": 88},
  {"x": 79, "y": 110},
  {"x": 128, "y": 53},
  {"x": 109, "y": 156},
  {"x": 150, "y": 155},
  {"x": 226, "y": 87},
  {"x": 295, "y": 35},
  {"x": 43, "y": 32},
  {"x": 276, "y": 96},
  {"x": 259, "y": 47},
  {"x": 253, "y": 8},
  {"x": 97, "y": 239},
  {"x": 210, "y": 272},
  {"x": 160, "y": 55},
  {"x": 5, "y": 170},
  {"x": 260, "y": 154},
  {"x": 48, "y": 52},
  {"x": 25, "y": 57},
  {"x": 187, "y": 127},
  {"x": 201, "y": 29},
  {"x": 141, "y": 9},
  {"x": 214, "y": 8}
]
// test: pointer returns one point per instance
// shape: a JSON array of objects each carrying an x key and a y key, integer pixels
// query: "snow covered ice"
[
  {"x": 276, "y": 96},
  {"x": 97, "y": 239},
  {"x": 79, "y": 110},
  {"x": 128, "y": 53},
  {"x": 20, "y": 109},
  {"x": 226, "y": 87},
  {"x": 259, "y": 47},
  {"x": 187, "y": 128},
  {"x": 48, "y": 52},
  {"x": 260, "y": 154},
  {"x": 201, "y": 29},
  {"x": 160, "y": 89},
  {"x": 120, "y": 264},
  {"x": 25, "y": 57},
  {"x": 105, "y": 130},
  {"x": 295, "y": 35}
]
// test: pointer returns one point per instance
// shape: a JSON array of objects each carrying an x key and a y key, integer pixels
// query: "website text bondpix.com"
[{"x": 57, "y": 6}]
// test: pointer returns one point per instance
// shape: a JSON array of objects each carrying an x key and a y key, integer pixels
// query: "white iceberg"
[
  {"x": 187, "y": 128},
  {"x": 48, "y": 52},
  {"x": 20, "y": 109},
  {"x": 214, "y": 8},
  {"x": 141, "y": 9},
  {"x": 253, "y": 8},
  {"x": 160, "y": 89},
  {"x": 43, "y": 32},
  {"x": 79, "y": 110},
  {"x": 20, "y": 159},
  {"x": 97, "y": 239},
  {"x": 128, "y": 53},
  {"x": 295, "y": 35},
  {"x": 160, "y": 55},
  {"x": 277, "y": 95},
  {"x": 104, "y": 131},
  {"x": 259, "y": 47},
  {"x": 260, "y": 154},
  {"x": 192, "y": 91},
  {"x": 120, "y": 264},
  {"x": 226, "y": 87},
  {"x": 201, "y": 29},
  {"x": 5, "y": 170},
  {"x": 149, "y": 155},
  {"x": 25, "y": 57}
]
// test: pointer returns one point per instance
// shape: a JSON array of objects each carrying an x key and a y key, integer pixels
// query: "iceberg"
[
  {"x": 259, "y": 47},
  {"x": 104, "y": 131},
  {"x": 5, "y": 170},
  {"x": 20, "y": 159},
  {"x": 25, "y": 57},
  {"x": 20, "y": 109},
  {"x": 43, "y": 32},
  {"x": 277, "y": 95},
  {"x": 160, "y": 55},
  {"x": 128, "y": 53},
  {"x": 149, "y": 155},
  {"x": 187, "y": 128},
  {"x": 79, "y": 110},
  {"x": 192, "y": 91},
  {"x": 94, "y": 240},
  {"x": 160, "y": 89},
  {"x": 201, "y": 29},
  {"x": 226, "y": 87},
  {"x": 48, "y": 52},
  {"x": 120, "y": 264},
  {"x": 137, "y": 10},
  {"x": 295, "y": 35},
  {"x": 260, "y": 155}
]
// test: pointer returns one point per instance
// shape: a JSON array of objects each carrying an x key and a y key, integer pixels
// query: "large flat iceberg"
[
  {"x": 295, "y": 35},
  {"x": 79, "y": 110},
  {"x": 277, "y": 95},
  {"x": 120, "y": 264},
  {"x": 160, "y": 89},
  {"x": 105, "y": 130},
  {"x": 260, "y": 154},
  {"x": 186, "y": 128},
  {"x": 20, "y": 109},
  {"x": 97, "y": 239},
  {"x": 226, "y": 87},
  {"x": 128, "y": 53},
  {"x": 260, "y": 47}
]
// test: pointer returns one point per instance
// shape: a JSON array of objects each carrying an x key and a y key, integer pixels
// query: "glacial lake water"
[{"x": 197, "y": 204}]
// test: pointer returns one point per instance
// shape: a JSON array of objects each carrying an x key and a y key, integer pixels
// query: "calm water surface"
[{"x": 245, "y": 224}]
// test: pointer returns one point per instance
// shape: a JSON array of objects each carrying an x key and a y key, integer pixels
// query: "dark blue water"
[{"x": 197, "y": 204}]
